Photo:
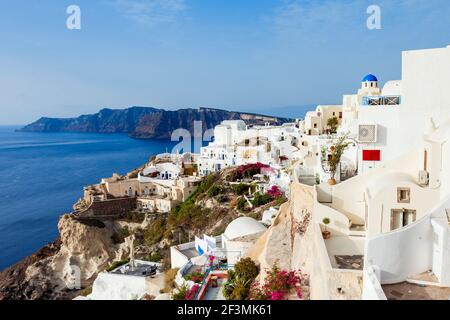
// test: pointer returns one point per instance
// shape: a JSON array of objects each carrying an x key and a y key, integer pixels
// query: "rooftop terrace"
[
  {"x": 411, "y": 291},
  {"x": 424, "y": 286},
  {"x": 138, "y": 269}
]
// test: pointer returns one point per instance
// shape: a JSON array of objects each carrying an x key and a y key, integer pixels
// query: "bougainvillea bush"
[
  {"x": 278, "y": 285},
  {"x": 274, "y": 192},
  {"x": 196, "y": 276},
  {"x": 190, "y": 294},
  {"x": 247, "y": 171},
  {"x": 184, "y": 293}
]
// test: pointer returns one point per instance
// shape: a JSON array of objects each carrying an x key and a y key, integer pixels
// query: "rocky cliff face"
[
  {"x": 288, "y": 242},
  {"x": 146, "y": 123},
  {"x": 85, "y": 247}
]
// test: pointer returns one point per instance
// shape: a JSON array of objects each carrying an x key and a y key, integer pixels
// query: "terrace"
[
  {"x": 412, "y": 291},
  {"x": 189, "y": 250},
  {"x": 212, "y": 286},
  {"x": 215, "y": 275},
  {"x": 137, "y": 268},
  {"x": 424, "y": 286},
  {"x": 346, "y": 253}
]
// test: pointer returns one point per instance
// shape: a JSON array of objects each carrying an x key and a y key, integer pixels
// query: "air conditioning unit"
[
  {"x": 367, "y": 133},
  {"x": 424, "y": 178}
]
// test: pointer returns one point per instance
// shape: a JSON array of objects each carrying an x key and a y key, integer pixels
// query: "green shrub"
[
  {"x": 155, "y": 232},
  {"x": 133, "y": 216},
  {"x": 249, "y": 173},
  {"x": 233, "y": 176},
  {"x": 154, "y": 257},
  {"x": 215, "y": 191},
  {"x": 117, "y": 264},
  {"x": 240, "y": 280},
  {"x": 241, "y": 204},
  {"x": 186, "y": 207},
  {"x": 246, "y": 269},
  {"x": 241, "y": 188},
  {"x": 261, "y": 199},
  {"x": 120, "y": 235},
  {"x": 227, "y": 290},
  {"x": 240, "y": 290},
  {"x": 195, "y": 276},
  {"x": 181, "y": 294}
]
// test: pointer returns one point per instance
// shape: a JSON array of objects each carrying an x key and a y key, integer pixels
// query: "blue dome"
[{"x": 370, "y": 78}]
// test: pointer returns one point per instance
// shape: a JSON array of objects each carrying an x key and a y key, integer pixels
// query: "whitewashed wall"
[
  {"x": 402, "y": 253},
  {"x": 372, "y": 289},
  {"x": 177, "y": 259}
]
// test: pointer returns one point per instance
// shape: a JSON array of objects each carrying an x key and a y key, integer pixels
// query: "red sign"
[{"x": 371, "y": 155}]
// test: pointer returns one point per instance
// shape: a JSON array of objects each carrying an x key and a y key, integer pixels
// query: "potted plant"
[
  {"x": 336, "y": 152},
  {"x": 326, "y": 234}
]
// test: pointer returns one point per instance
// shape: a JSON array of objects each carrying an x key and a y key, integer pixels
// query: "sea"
[{"x": 43, "y": 174}]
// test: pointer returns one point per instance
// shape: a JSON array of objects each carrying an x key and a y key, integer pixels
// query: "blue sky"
[{"x": 251, "y": 55}]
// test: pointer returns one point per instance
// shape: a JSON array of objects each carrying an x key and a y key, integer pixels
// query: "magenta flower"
[{"x": 277, "y": 295}]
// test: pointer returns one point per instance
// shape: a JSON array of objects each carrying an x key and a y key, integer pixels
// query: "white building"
[
  {"x": 236, "y": 144},
  {"x": 131, "y": 281},
  {"x": 390, "y": 225},
  {"x": 239, "y": 237}
]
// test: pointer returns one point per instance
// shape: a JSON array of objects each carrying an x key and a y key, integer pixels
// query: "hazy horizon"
[{"x": 228, "y": 54}]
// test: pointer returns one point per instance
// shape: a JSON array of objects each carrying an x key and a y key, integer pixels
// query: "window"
[
  {"x": 315, "y": 125},
  {"x": 403, "y": 195},
  {"x": 340, "y": 115},
  {"x": 402, "y": 217}
]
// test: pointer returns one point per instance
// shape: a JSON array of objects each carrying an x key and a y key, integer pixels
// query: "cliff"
[
  {"x": 84, "y": 245},
  {"x": 147, "y": 123}
]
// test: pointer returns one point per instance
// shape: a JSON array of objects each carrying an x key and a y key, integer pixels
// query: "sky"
[{"x": 244, "y": 55}]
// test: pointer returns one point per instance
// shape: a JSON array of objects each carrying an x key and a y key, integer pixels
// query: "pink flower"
[
  {"x": 277, "y": 295},
  {"x": 299, "y": 293}
]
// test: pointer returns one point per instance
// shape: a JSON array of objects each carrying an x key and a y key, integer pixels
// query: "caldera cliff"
[{"x": 147, "y": 123}]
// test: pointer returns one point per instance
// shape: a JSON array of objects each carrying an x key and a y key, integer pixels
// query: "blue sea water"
[{"x": 43, "y": 174}]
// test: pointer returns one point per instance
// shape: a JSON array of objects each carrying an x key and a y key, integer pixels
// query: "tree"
[
  {"x": 333, "y": 123},
  {"x": 336, "y": 152}
]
